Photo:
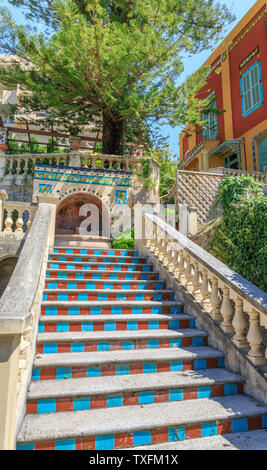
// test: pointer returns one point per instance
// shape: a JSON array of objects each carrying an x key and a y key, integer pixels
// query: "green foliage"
[
  {"x": 110, "y": 60},
  {"x": 240, "y": 238},
  {"x": 144, "y": 173},
  {"x": 125, "y": 242},
  {"x": 234, "y": 189},
  {"x": 168, "y": 167}
]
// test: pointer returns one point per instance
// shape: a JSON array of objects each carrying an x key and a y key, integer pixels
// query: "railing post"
[{"x": 3, "y": 197}]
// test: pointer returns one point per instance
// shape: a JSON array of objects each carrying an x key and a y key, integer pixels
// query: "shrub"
[{"x": 240, "y": 238}]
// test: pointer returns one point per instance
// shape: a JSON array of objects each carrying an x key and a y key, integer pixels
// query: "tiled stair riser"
[
  {"x": 109, "y": 275},
  {"x": 151, "y": 436},
  {"x": 100, "y": 267},
  {"x": 107, "y": 285},
  {"x": 93, "y": 296},
  {"x": 90, "y": 346},
  {"x": 97, "y": 259},
  {"x": 68, "y": 372},
  {"x": 92, "y": 252},
  {"x": 107, "y": 310},
  {"x": 116, "y": 325},
  {"x": 131, "y": 398}
]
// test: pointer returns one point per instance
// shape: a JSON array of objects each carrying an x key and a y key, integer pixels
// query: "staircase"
[{"x": 119, "y": 364}]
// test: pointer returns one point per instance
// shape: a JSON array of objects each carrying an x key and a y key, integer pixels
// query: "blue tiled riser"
[
  {"x": 101, "y": 267},
  {"x": 145, "y": 368},
  {"x": 53, "y": 310},
  {"x": 51, "y": 348},
  {"x": 143, "y": 398},
  {"x": 97, "y": 276},
  {"x": 112, "y": 326}
]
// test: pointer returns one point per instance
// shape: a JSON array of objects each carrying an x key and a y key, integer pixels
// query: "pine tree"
[{"x": 112, "y": 61}]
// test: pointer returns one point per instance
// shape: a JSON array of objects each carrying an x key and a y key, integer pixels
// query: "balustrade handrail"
[
  {"x": 19, "y": 315},
  {"x": 241, "y": 286}
]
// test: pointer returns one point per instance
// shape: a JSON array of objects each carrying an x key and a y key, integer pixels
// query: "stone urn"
[{"x": 75, "y": 142}]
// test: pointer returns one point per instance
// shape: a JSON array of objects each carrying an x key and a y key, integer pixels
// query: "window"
[
  {"x": 251, "y": 89},
  {"x": 210, "y": 131}
]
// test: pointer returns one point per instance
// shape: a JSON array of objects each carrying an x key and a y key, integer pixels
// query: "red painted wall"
[
  {"x": 256, "y": 37},
  {"x": 214, "y": 82},
  {"x": 185, "y": 145}
]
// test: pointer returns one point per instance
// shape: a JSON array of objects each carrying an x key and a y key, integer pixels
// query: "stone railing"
[
  {"x": 19, "y": 314},
  {"x": 17, "y": 167},
  {"x": 17, "y": 216},
  {"x": 260, "y": 176},
  {"x": 238, "y": 307}
]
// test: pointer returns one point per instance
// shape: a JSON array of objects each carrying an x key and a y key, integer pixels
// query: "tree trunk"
[{"x": 112, "y": 136}]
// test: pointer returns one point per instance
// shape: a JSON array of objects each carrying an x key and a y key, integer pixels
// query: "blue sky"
[{"x": 238, "y": 7}]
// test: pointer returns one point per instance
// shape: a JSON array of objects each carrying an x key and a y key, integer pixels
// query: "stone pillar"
[
  {"x": 75, "y": 159},
  {"x": 53, "y": 200},
  {"x": 3, "y": 148},
  {"x": 3, "y": 197},
  {"x": 183, "y": 219}
]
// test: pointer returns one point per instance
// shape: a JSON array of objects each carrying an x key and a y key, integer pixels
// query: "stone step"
[
  {"x": 117, "y": 267},
  {"x": 145, "y": 361},
  {"x": 97, "y": 275},
  {"x": 98, "y": 258},
  {"x": 108, "y": 307},
  {"x": 102, "y": 295},
  {"x": 80, "y": 284},
  {"x": 93, "y": 251},
  {"x": 131, "y": 426},
  {"x": 76, "y": 394},
  {"x": 132, "y": 322},
  {"x": 248, "y": 440},
  {"x": 48, "y": 343}
]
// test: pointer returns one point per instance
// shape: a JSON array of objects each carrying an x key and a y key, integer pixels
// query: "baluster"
[
  {"x": 204, "y": 289},
  {"x": 239, "y": 324},
  {"x": 195, "y": 278},
  {"x": 255, "y": 339},
  {"x": 227, "y": 312},
  {"x": 181, "y": 267},
  {"x": 188, "y": 273},
  {"x": 26, "y": 166},
  {"x": 93, "y": 162},
  {"x": 163, "y": 248},
  {"x": 8, "y": 221},
  {"x": 19, "y": 222},
  {"x": 175, "y": 257},
  {"x": 215, "y": 301}
]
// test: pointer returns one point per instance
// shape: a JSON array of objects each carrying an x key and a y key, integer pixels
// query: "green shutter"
[{"x": 251, "y": 89}]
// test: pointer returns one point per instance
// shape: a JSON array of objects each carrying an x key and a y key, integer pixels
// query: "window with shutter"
[
  {"x": 210, "y": 131},
  {"x": 251, "y": 89}
]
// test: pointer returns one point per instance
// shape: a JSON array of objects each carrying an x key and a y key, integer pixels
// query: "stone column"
[
  {"x": 3, "y": 148},
  {"x": 3, "y": 197}
]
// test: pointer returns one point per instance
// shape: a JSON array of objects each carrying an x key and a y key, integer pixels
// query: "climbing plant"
[{"x": 240, "y": 238}]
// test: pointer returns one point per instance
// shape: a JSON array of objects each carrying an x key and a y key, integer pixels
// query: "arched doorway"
[
  {"x": 82, "y": 214},
  {"x": 7, "y": 266}
]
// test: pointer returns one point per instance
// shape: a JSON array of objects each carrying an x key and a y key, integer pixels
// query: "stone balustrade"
[
  {"x": 17, "y": 216},
  {"x": 236, "y": 305},
  {"x": 19, "y": 315},
  {"x": 20, "y": 166},
  {"x": 260, "y": 176}
]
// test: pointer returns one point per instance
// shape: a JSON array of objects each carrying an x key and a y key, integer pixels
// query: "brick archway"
[{"x": 72, "y": 212}]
